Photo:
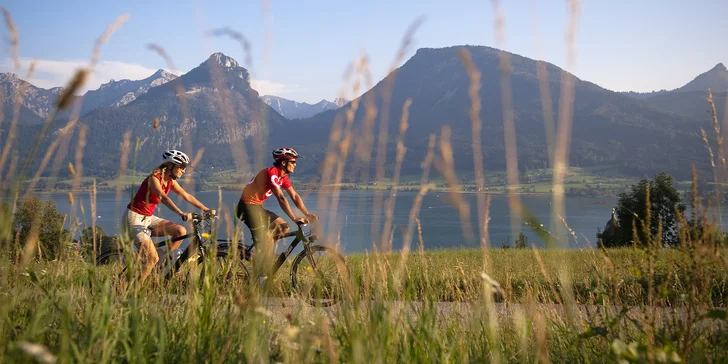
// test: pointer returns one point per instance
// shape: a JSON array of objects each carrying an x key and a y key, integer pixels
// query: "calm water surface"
[{"x": 350, "y": 219}]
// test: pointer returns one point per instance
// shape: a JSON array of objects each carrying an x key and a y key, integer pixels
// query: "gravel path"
[{"x": 279, "y": 308}]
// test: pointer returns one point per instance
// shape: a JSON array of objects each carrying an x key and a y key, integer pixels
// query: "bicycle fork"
[{"x": 314, "y": 266}]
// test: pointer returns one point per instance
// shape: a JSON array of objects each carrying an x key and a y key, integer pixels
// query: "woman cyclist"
[{"x": 139, "y": 221}]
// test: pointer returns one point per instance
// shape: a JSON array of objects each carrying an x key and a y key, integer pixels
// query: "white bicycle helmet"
[
  {"x": 284, "y": 154},
  {"x": 176, "y": 157}
]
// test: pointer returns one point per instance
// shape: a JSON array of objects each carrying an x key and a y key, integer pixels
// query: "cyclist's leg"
[
  {"x": 161, "y": 227},
  {"x": 257, "y": 220},
  {"x": 254, "y": 217},
  {"x": 277, "y": 227},
  {"x": 239, "y": 212},
  {"x": 138, "y": 226},
  {"x": 148, "y": 254}
]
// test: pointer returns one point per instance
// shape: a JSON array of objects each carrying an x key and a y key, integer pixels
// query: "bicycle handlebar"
[{"x": 204, "y": 216}]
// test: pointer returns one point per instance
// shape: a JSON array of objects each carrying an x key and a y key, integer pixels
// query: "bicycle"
[
  {"x": 317, "y": 290},
  {"x": 171, "y": 261},
  {"x": 327, "y": 286}
]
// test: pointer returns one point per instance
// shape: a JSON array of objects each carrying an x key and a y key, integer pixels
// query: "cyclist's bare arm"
[
  {"x": 298, "y": 201},
  {"x": 156, "y": 187},
  {"x": 284, "y": 203},
  {"x": 188, "y": 197}
]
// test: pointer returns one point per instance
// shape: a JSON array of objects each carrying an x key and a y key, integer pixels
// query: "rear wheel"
[
  {"x": 320, "y": 275},
  {"x": 114, "y": 260},
  {"x": 111, "y": 256}
]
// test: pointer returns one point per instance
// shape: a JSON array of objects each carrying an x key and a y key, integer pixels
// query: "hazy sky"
[{"x": 301, "y": 49}]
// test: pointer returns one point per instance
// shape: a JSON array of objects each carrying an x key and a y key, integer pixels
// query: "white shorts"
[{"x": 138, "y": 226}]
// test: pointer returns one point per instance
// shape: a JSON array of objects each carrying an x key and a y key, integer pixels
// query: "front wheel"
[
  {"x": 227, "y": 270},
  {"x": 320, "y": 275}
]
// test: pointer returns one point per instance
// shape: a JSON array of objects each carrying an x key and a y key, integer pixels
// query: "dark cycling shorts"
[{"x": 256, "y": 218}]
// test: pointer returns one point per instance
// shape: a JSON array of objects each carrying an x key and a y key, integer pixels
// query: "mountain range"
[
  {"x": 299, "y": 110},
  {"x": 122, "y": 92},
  {"x": 38, "y": 102},
  {"x": 113, "y": 94},
  {"x": 608, "y": 127},
  {"x": 691, "y": 99},
  {"x": 213, "y": 108},
  {"x": 35, "y": 103},
  {"x": 715, "y": 79}
]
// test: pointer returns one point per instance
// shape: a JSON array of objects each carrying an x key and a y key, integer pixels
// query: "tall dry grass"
[{"x": 639, "y": 304}]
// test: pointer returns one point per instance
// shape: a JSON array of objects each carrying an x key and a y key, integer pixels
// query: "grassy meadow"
[{"x": 423, "y": 307}]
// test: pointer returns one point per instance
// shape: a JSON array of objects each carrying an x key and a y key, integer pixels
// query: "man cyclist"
[
  {"x": 270, "y": 182},
  {"x": 138, "y": 219}
]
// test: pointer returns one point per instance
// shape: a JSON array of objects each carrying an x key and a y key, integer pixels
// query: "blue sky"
[{"x": 301, "y": 49}]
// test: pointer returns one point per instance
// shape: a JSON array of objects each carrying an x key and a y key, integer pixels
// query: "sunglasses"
[{"x": 291, "y": 162}]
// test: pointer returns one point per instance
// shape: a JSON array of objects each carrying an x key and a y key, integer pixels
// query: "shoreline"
[{"x": 382, "y": 190}]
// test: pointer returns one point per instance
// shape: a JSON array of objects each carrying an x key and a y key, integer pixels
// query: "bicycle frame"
[
  {"x": 310, "y": 248},
  {"x": 299, "y": 235},
  {"x": 172, "y": 260},
  {"x": 180, "y": 255},
  {"x": 187, "y": 249}
]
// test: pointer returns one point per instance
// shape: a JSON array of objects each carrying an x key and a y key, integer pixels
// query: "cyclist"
[
  {"x": 139, "y": 220},
  {"x": 268, "y": 182}
]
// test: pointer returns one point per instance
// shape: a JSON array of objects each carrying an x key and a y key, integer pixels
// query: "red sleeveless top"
[{"x": 145, "y": 201}]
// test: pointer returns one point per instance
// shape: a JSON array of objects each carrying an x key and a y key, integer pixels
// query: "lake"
[{"x": 350, "y": 220}]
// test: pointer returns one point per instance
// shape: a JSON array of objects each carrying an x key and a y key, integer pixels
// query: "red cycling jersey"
[
  {"x": 261, "y": 186},
  {"x": 145, "y": 201}
]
